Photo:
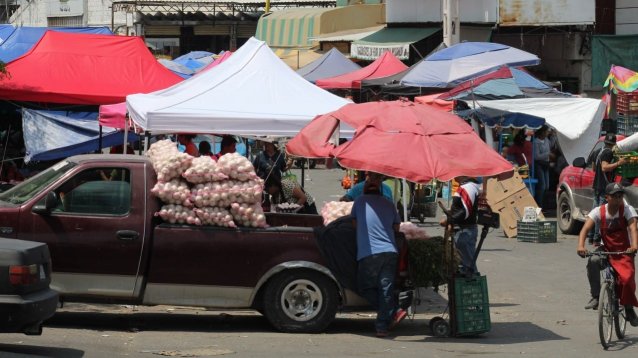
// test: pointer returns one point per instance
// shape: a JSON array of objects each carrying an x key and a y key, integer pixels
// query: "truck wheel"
[
  {"x": 566, "y": 223},
  {"x": 300, "y": 301}
]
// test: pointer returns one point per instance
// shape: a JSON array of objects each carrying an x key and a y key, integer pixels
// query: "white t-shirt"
[{"x": 629, "y": 213}]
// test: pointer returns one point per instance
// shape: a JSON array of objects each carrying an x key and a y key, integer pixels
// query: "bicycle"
[{"x": 610, "y": 311}]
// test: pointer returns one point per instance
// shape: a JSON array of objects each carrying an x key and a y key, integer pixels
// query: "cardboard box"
[
  {"x": 503, "y": 186},
  {"x": 509, "y": 198}
]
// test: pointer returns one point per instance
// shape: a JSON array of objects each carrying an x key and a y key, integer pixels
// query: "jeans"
[
  {"x": 599, "y": 199},
  {"x": 541, "y": 172},
  {"x": 375, "y": 280},
  {"x": 593, "y": 274},
  {"x": 465, "y": 242}
]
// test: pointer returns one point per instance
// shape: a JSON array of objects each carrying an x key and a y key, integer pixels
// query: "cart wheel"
[
  {"x": 440, "y": 327},
  {"x": 421, "y": 218}
]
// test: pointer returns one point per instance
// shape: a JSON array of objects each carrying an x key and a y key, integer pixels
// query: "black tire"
[
  {"x": 440, "y": 328},
  {"x": 605, "y": 315},
  {"x": 421, "y": 217},
  {"x": 300, "y": 301},
  {"x": 620, "y": 321},
  {"x": 564, "y": 209}
]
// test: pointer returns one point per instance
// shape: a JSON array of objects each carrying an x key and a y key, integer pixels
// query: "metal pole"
[
  {"x": 405, "y": 200},
  {"x": 99, "y": 142}
]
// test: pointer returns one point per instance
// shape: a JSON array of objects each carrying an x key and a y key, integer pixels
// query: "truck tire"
[
  {"x": 566, "y": 223},
  {"x": 300, "y": 301}
]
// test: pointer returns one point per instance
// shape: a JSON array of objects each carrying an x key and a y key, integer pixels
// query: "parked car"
[
  {"x": 25, "y": 297},
  {"x": 108, "y": 246},
  {"x": 575, "y": 193}
]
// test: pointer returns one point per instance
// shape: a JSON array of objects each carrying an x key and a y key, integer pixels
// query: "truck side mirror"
[
  {"x": 44, "y": 208},
  {"x": 580, "y": 162}
]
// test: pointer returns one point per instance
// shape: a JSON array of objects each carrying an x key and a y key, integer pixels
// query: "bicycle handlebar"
[{"x": 607, "y": 253}]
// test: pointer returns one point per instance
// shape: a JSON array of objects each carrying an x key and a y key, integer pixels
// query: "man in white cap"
[{"x": 617, "y": 222}]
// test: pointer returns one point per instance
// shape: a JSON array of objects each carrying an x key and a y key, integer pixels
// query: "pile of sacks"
[
  {"x": 200, "y": 191},
  {"x": 412, "y": 231},
  {"x": 333, "y": 210}
]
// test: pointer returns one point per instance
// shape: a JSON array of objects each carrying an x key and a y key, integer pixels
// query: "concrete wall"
[
  {"x": 97, "y": 13},
  {"x": 626, "y": 17}
]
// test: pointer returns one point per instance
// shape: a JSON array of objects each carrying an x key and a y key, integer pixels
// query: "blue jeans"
[
  {"x": 599, "y": 199},
  {"x": 375, "y": 280},
  {"x": 465, "y": 242},
  {"x": 541, "y": 172}
]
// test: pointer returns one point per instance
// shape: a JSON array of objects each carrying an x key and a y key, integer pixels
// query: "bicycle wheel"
[
  {"x": 620, "y": 319},
  {"x": 605, "y": 315}
]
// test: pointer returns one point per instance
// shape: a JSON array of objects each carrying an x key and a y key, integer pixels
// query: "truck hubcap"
[{"x": 301, "y": 300}]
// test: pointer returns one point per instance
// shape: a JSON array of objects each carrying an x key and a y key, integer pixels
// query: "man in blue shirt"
[
  {"x": 357, "y": 190},
  {"x": 376, "y": 220}
]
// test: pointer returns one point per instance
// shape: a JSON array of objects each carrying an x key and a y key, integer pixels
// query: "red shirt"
[
  {"x": 517, "y": 151},
  {"x": 191, "y": 149}
]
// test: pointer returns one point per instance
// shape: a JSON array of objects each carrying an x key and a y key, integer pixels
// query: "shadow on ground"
[{"x": 26, "y": 351}]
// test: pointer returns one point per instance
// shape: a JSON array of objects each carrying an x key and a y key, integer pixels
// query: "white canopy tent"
[
  {"x": 253, "y": 93},
  {"x": 576, "y": 120}
]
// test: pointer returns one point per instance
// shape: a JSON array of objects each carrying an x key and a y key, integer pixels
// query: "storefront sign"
[
  {"x": 372, "y": 52},
  {"x": 64, "y": 8}
]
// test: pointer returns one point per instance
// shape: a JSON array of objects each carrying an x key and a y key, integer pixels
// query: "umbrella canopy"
[
  {"x": 434, "y": 144},
  {"x": 455, "y": 64}
]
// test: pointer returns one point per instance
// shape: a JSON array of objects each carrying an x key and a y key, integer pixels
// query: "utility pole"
[{"x": 451, "y": 22}]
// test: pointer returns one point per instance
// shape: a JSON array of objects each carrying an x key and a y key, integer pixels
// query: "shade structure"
[
  {"x": 252, "y": 93},
  {"x": 503, "y": 119},
  {"x": 84, "y": 69},
  {"x": 332, "y": 63},
  {"x": 404, "y": 140},
  {"x": 453, "y": 65},
  {"x": 386, "y": 65}
]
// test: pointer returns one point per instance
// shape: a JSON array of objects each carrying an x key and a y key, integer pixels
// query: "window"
[
  {"x": 103, "y": 191},
  {"x": 593, "y": 155}
]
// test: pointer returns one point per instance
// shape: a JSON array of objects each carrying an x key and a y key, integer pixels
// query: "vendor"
[
  {"x": 287, "y": 190},
  {"x": 228, "y": 145},
  {"x": 270, "y": 161},
  {"x": 187, "y": 141},
  {"x": 357, "y": 190}
]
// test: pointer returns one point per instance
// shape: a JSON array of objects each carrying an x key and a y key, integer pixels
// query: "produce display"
[
  {"x": 412, "y": 231},
  {"x": 333, "y": 210},
  {"x": 168, "y": 162},
  {"x": 287, "y": 207},
  {"x": 222, "y": 193}
]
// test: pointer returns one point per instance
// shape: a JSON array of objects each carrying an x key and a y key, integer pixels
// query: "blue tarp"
[
  {"x": 494, "y": 117},
  {"x": 24, "y": 38},
  {"x": 193, "y": 55},
  {"x": 525, "y": 80},
  {"x": 50, "y": 135},
  {"x": 332, "y": 63},
  {"x": 5, "y": 31}
]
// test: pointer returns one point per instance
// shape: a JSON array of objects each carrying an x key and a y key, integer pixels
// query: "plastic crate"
[
  {"x": 630, "y": 169},
  {"x": 626, "y": 124},
  {"x": 536, "y": 231},
  {"x": 627, "y": 103},
  {"x": 472, "y": 305}
]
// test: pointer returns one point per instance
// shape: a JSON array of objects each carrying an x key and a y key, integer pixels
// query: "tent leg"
[
  {"x": 125, "y": 139},
  {"x": 303, "y": 174},
  {"x": 99, "y": 142},
  {"x": 147, "y": 141},
  {"x": 405, "y": 200}
]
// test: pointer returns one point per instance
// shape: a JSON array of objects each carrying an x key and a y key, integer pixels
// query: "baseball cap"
[
  {"x": 610, "y": 138},
  {"x": 613, "y": 188}
]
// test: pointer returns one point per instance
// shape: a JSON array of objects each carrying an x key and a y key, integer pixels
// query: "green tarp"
[
  {"x": 610, "y": 50},
  {"x": 394, "y": 39}
]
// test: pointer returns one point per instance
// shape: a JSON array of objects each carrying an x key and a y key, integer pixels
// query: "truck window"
[
  {"x": 102, "y": 191},
  {"x": 26, "y": 190},
  {"x": 593, "y": 155}
]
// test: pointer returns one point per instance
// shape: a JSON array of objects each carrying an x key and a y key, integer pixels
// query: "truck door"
[
  {"x": 584, "y": 190},
  {"x": 96, "y": 231}
]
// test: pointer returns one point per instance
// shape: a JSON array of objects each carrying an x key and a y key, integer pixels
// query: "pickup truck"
[
  {"x": 107, "y": 245},
  {"x": 575, "y": 193}
]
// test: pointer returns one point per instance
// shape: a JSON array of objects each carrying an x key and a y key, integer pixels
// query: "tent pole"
[
  {"x": 125, "y": 137},
  {"x": 303, "y": 172},
  {"x": 405, "y": 200},
  {"x": 99, "y": 142},
  {"x": 147, "y": 141}
]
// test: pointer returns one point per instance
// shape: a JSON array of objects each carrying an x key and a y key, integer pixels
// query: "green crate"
[
  {"x": 536, "y": 231},
  {"x": 629, "y": 170},
  {"x": 472, "y": 305}
]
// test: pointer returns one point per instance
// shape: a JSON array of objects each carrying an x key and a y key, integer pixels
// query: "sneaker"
[
  {"x": 631, "y": 316},
  {"x": 382, "y": 334},
  {"x": 399, "y": 316},
  {"x": 592, "y": 304}
]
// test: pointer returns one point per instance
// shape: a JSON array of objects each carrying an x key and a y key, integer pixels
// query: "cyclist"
[{"x": 617, "y": 223}]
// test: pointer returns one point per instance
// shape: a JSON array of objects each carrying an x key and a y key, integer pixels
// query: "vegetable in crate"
[{"x": 430, "y": 262}]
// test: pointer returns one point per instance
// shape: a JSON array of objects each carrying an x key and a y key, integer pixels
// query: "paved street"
[{"x": 537, "y": 293}]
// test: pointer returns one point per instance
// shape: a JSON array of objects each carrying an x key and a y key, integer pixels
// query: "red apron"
[{"x": 616, "y": 238}]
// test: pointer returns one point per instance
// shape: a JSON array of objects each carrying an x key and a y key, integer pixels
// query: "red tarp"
[
  {"x": 386, "y": 65},
  {"x": 84, "y": 69}
]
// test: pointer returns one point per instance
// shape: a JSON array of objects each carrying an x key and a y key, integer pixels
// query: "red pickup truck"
[
  {"x": 107, "y": 245},
  {"x": 575, "y": 193}
]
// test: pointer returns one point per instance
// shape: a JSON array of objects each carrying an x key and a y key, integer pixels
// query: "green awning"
[
  {"x": 607, "y": 50},
  {"x": 394, "y": 39}
]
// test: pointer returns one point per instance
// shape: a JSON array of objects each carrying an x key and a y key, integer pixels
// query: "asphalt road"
[{"x": 537, "y": 293}]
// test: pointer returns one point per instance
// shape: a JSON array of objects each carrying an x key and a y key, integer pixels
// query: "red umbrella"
[{"x": 403, "y": 140}]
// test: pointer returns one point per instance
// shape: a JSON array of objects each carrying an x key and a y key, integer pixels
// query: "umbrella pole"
[{"x": 405, "y": 200}]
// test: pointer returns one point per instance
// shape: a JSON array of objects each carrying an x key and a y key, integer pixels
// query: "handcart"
[
  {"x": 468, "y": 310},
  {"x": 423, "y": 203}
]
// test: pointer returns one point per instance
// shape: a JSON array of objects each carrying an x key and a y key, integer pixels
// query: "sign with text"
[
  {"x": 64, "y": 8},
  {"x": 372, "y": 52}
]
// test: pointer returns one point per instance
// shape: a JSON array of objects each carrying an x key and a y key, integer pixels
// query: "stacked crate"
[{"x": 627, "y": 113}]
